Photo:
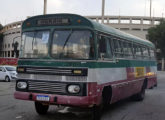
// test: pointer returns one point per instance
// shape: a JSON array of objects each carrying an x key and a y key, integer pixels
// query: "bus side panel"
[
  {"x": 121, "y": 80},
  {"x": 152, "y": 76},
  {"x": 125, "y": 82}
]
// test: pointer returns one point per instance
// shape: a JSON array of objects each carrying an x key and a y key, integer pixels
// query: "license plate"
[{"x": 43, "y": 98}]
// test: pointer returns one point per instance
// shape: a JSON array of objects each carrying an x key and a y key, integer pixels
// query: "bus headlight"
[
  {"x": 21, "y": 85},
  {"x": 73, "y": 89}
]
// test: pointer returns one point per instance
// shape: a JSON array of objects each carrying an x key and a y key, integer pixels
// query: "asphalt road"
[{"x": 152, "y": 108}]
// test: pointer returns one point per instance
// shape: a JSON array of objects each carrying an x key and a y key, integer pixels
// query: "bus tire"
[
  {"x": 40, "y": 108},
  {"x": 106, "y": 96},
  {"x": 96, "y": 112},
  {"x": 140, "y": 96}
]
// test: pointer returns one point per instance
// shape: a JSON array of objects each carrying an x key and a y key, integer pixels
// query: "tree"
[
  {"x": 1, "y": 27},
  {"x": 157, "y": 36},
  {"x": 1, "y": 38},
  {"x": 1, "y": 35}
]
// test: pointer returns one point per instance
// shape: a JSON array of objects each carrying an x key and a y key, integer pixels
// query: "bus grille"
[
  {"x": 76, "y": 78},
  {"x": 46, "y": 87}
]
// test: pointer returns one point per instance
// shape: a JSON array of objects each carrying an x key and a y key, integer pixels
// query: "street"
[{"x": 152, "y": 108}]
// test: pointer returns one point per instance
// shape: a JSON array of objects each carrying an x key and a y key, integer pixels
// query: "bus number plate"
[{"x": 43, "y": 98}]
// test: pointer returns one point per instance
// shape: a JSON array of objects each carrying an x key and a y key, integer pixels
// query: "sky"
[{"x": 17, "y": 10}]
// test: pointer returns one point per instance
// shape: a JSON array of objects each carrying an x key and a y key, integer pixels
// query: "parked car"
[{"x": 8, "y": 73}]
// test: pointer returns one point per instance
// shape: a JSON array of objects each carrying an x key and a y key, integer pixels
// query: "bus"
[{"x": 70, "y": 60}]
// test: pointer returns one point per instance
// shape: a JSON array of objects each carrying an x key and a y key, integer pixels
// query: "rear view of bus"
[{"x": 63, "y": 62}]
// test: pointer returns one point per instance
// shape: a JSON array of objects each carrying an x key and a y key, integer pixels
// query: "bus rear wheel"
[
  {"x": 140, "y": 96},
  {"x": 41, "y": 108}
]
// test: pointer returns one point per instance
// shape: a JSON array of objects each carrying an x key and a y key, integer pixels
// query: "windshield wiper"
[{"x": 67, "y": 39}]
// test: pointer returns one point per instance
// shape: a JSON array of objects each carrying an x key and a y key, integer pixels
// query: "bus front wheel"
[
  {"x": 41, "y": 108},
  {"x": 96, "y": 112}
]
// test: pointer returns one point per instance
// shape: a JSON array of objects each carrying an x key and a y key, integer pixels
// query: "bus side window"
[
  {"x": 137, "y": 51},
  {"x": 109, "y": 48},
  {"x": 118, "y": 48},
  {"x": 130, "y": 50},
  {"x": 127, "y": 49},
  {"x": 145, "y": 52},
  {"x": 152, "y": 54},
  {"x": 104, "y": 48}
]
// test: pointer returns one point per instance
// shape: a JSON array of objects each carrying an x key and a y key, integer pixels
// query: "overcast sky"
[{"x": 16, "y": 10}]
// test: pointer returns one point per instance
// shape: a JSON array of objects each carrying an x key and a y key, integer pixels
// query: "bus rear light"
[{"x": 73, "y": 89}]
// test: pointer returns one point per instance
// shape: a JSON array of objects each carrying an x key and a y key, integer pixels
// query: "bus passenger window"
[
  {"x": 137, "y": 51},
  {"x": 105, "y": 48},
  {"x": 127, "y": 49},
  {"x": 118, "y": 48},
  {"x": 145, "y": 52},
  {"x": 102, "y": 49},
  {"x": 152, "y": 54},
  {"x": 109, "y": 48}
]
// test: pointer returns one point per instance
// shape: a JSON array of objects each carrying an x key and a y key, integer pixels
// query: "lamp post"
[
  {"x": 45, "y": 7},
  {"x": 150, "y": 8},
  {"x": 103, "y": 7}
]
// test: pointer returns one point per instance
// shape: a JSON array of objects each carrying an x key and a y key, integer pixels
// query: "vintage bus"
[{"x": 69, "y": 60}]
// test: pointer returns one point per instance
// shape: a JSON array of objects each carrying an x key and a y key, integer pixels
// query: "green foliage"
[
  {"x": 1, "y": 27},
  {"x": 1, "y": 35},
  {"x": 157, "y": 36}
]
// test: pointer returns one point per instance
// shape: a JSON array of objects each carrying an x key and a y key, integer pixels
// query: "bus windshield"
[
  {"x": 35, "y": 44},
  {"x": 72, "y": 44}
]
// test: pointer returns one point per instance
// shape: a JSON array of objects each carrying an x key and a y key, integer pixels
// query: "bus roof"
[
  {"x": 120, "y": 34},
  {"x": 89, "y": 23}
]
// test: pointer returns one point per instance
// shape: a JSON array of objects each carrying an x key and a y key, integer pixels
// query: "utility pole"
[
  {"x": 103, "y": 7},
  {"x": 150, "y": 8},
  {"x": 45, "y": 7}
]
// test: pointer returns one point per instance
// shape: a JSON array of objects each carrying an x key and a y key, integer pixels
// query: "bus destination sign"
[{"x": 53, "y": 21}]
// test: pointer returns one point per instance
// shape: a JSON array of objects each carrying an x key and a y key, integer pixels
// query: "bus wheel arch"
[{"x": 106, "y": 95}]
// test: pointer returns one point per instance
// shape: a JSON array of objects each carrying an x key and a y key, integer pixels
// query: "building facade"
[{"x": 12, "y": 34}]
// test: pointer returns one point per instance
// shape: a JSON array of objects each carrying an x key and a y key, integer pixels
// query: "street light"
[
  {"x": 103, "y": 7},
  {"x": 45, "y": 7},
  {"x": 150, "y": 8}
]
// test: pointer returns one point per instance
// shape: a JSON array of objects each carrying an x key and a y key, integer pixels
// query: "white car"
[{"x": 8, "y": 73}]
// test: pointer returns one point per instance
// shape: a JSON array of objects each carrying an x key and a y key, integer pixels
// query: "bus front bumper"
[{"x": 79, "y": 101}]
